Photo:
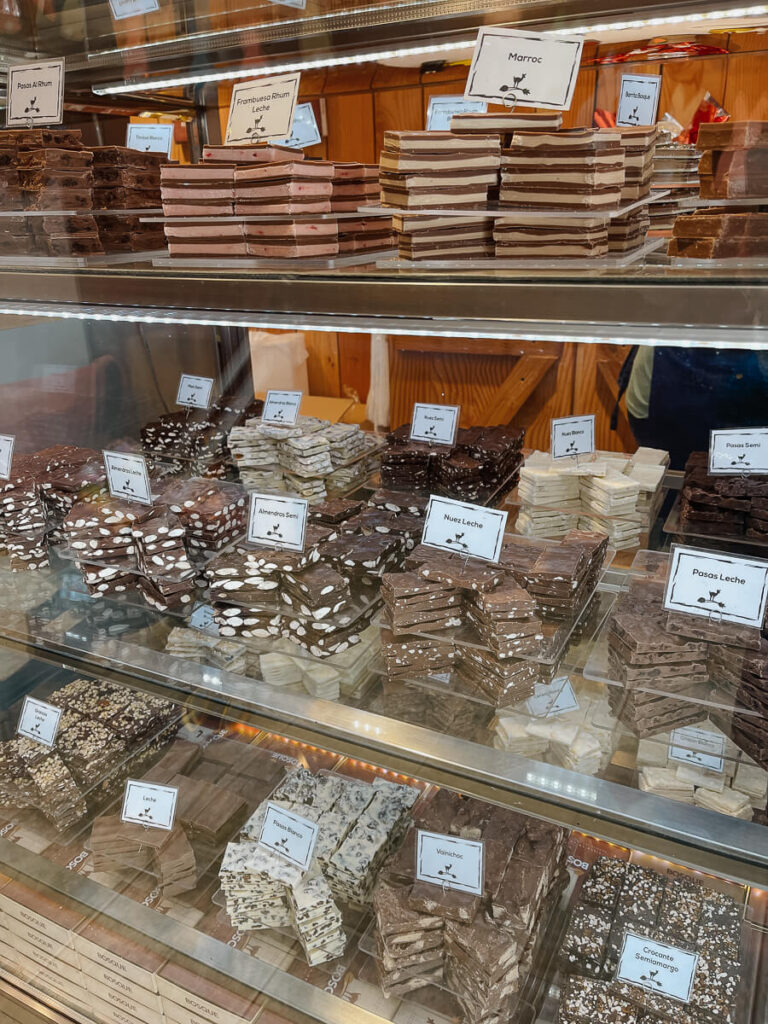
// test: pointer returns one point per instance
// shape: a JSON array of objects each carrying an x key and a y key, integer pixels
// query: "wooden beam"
[{"x": 526, "y": 375}]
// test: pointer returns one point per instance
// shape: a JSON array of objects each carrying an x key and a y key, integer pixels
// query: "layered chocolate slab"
[
  {"x": 550, "y": 239},
  {"x": 712, "y": 234}
]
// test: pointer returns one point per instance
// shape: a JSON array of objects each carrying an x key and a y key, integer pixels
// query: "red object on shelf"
[
  {"x": 708, "y": 111},
  {"x": 603, "y": 119}
]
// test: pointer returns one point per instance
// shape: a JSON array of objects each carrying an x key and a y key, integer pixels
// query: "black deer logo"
[
  {"x": 275, "y": 531},
  {"x": 279, "y": 414},
  {"x": 457, "y": 541},
  {"x": 712, "y": 599},
  {"x": 741, "y": 460},
  {"x": 651, "y": 978},
  {"x": 634, "y": 116},
  {"x": 447, "y": 872},
  {"x": 571, "y": 447},
  {"x": 146, "y": 814},
  {"x": 33, "y": 107},
  {"x": 257, "y": 128},
  {"x": 281, "y": 844},
  {"x": 515, "y": 90}
]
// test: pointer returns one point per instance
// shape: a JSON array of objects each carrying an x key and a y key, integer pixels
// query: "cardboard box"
[
  {"x": 116, "y": 952},
  {"x": 122, "y": 1002},
  {"x": 43, "y": 913},
  {"x": 51, "y": 963},
  {"x": 94, "y": 975},
  {"x": 205, "y": 996},
  {"x": 108, "y": 1013},
  {"x": 43, "y": 980},
  {"x": 51, "y": 946}
]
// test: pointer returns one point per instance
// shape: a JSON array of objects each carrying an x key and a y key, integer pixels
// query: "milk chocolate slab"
[
  {"x": 718, "y": 248},
  {"x": 124, "y": 157},
  {"x": 62, "y": 159},
  {"x": 733, "y": 135},
  {"x": 42, "y": 138}
]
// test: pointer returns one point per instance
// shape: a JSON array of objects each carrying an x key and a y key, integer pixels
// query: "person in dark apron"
[{"x": 693, "y": 391}]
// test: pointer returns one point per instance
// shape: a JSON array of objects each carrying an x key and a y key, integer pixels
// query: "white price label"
[
  {"x": 7, "y": 442},
  {"x": 552, "y": 699},
  {"x": 282, "y": 407},
  {"x": 737, "y": 452},
  {"x": 289, "y": 835},
  {"x": 146, "y": 803},
  {"x": 277, "y": 522},
  {"x": 35, "y": 94},
  {"x": 262, "y": 109},
  {"x": 464, "y": 529},
  {"x": 572, "y": 435},
  {"x": 150, "y": 138},
  {"x": 717, "y": 586},
  {"x": 131, "y": 8},
  {"x": 194, "y": 391},
  {"x": 524, "y": 69},
  {"x": 450, "y": 862},
  {"x": 299, "y": 4},
  {"x": 442, "y": 108},
  {"x": 638, "y": 100},
  {"x": 657, "y": 966},
  {"x": 128, "y": 477},
  {"x": 305, "y": 131},
  {"x": 39, "y": 721},
  {"x": 698, "y": 747},
  {"x": 435, "y": 424}
]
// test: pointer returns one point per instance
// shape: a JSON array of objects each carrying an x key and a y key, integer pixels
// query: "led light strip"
[
  {"x": 342, "y": 60},
  {"x": 747, "y": 338}
]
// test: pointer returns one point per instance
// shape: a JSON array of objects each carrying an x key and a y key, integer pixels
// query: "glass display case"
[{"x": 383, "y": 515}]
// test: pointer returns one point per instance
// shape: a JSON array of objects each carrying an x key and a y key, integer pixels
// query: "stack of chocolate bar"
[
  {"x": 434, "y": 170},
  {"x": 639, "y": 145},
  {"x": 49, "y": 169},
  {"x": 719, "y": 234},
  {"x": 201, "y": 190},
  {"x": 105, "y": 734},
  {"x": 127, "y": 179},
  {"x": 734, "y": 160},
  {"x": 577, "y": 169},
  {"x": 551, "y": 238},
  {"x": 675, "y": 170},
  {"x": 478, "y": 947},
  {"x": 505, "y": 123},
  {"x": 723, "y": 505},
  {"x": 212, "y": 512},
  {"x": 482, "y": 462},
  {"x": 619, "y": 898},
  {"x": 23, "y": 519},
  {"x": 356, "y": 185}
]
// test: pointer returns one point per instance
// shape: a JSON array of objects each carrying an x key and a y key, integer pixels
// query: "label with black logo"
[
  {"x": 737, "y": 452},
  {"x": 435, "y": 424},
  {"x": 281, "y": 407},
  {"x": 7, "y": 442},
  {"x": 450, "y": 862},
  {"x": 39, "y": 721},
  {"x": 572, "y": 435},
  {"x": 128, "y": 477},
  {"x": 289, "y": 835},
  {"x": 146, "y": 803},
  {"x": 277, "y": 522},
  {"x": 464, "y": 529},
  {"x": 717, "y": 586}
]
